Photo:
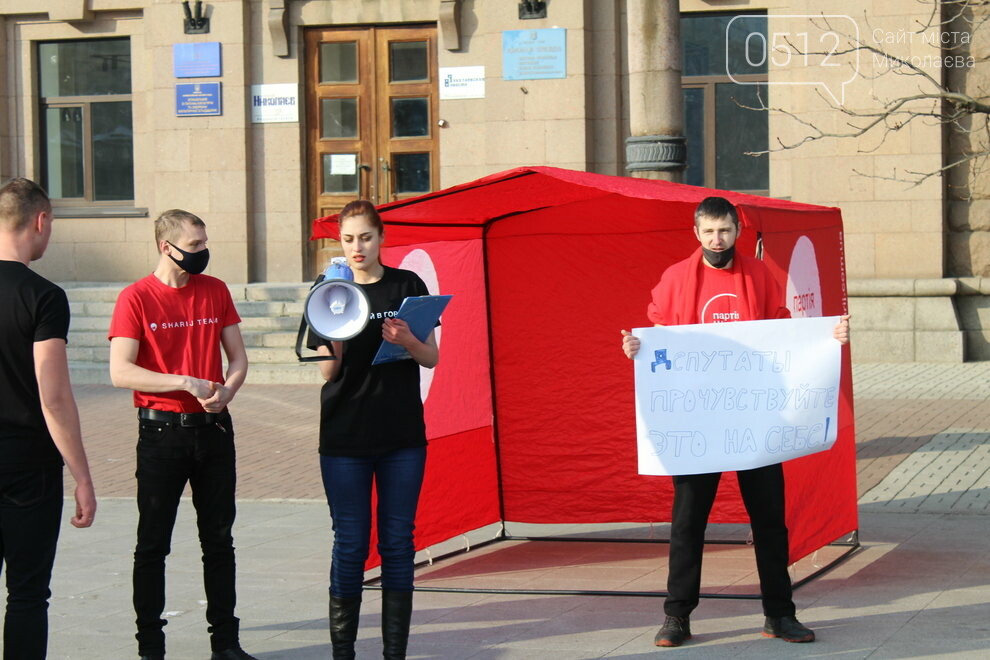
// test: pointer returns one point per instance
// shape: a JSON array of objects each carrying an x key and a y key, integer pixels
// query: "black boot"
[
  {"x": 344, "y": 613},
  {"x": 396, "y": 612}
]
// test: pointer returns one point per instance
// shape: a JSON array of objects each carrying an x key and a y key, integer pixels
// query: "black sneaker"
[
  {"x": 674, "y": 631},
  {"x": 787, "y": 628}
]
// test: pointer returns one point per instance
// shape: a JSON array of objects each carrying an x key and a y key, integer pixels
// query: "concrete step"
[
  {"x": 89, "y": 373},
  {"x": 95, "y": 373},
  {"x": 92, "y": 292},
  {"x": 256, "y": 354},
  {"x": 88, "y": 324},
  {"x": 261, "y": 292},
  {"x": 252, "y": 339},
  {"x": 271, "y": 355},
  {"x": 297, "y": 373},
  {"x": 271, "y": 323},
  {"x": 244, "y": 308},
  {"x": 263, "y": 339},
  {"x": 87, "y": 338},
  {"x": 88, "y": 353},
  {"x": 278, "y": 291},
  {"x": 269, "y": 308},
  {"x": 101, "y": 324},
  {"x": 91, "y": 308}
]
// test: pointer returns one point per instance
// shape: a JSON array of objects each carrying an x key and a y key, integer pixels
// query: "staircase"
[{"x": 270, "y": 315}]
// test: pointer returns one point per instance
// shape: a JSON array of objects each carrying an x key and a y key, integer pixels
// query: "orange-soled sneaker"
[
  {"x": 674, "y": 631},
  {"x": 787, "y": 628}
]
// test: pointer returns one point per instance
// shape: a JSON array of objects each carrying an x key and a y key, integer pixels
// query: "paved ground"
[{"x": 919, "y": 587}]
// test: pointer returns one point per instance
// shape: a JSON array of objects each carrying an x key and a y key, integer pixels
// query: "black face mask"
[
  {"x": 719, "y": 259},
  {"x": 193, "y": 263}
]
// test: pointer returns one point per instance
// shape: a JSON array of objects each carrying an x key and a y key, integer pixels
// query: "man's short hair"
[
  {"x": 716, "y": 207},
  {"x": 21, "y": 200},
  {"x": 168, "y": 225}
]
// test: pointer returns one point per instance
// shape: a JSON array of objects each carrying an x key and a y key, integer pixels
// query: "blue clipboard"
[{"x": 422, "y": 314}]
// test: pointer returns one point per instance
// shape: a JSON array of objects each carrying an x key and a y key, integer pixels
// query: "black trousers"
[
  {"x": 30, "y": 512},
  {"x": 167, "y": 457},
  {"x": 762, "y": 491}
]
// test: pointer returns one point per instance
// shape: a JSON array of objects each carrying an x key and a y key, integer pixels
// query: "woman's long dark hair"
[{"x": 365, "y": 208}]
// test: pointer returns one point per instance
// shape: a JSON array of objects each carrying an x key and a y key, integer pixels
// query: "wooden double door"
[{"x": 371, "y": 117}]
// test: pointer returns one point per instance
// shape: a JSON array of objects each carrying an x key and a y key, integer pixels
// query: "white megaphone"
[{"x": 337, "y": 309}]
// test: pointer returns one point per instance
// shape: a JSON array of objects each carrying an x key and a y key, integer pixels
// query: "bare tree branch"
[{"x": 938, "y": 100}]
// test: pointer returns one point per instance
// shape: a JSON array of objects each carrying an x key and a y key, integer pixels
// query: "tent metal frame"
[{"x": 850, "y": 541}]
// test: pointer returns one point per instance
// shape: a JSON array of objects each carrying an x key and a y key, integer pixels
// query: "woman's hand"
[
  {"x": 396, "y": 331},
  {"x": 425, "y": 353}
]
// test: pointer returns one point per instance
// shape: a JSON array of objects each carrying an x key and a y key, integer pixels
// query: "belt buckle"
[{"x": 185, "y": 420}]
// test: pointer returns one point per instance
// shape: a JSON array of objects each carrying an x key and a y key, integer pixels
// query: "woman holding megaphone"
[{"x": 372, "y": 430}]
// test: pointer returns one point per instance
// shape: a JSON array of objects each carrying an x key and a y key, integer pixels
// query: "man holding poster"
[{"x": 717, "y": 285}]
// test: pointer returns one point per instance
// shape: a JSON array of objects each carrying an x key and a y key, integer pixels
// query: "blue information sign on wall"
[
  {"x": 534, "y": 54},
  {"x": 198, "y": 99},
  {"x": 199, "y": 60}
]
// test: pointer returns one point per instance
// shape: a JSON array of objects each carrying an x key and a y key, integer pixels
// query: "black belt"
[{"x": 180, "y": 419}]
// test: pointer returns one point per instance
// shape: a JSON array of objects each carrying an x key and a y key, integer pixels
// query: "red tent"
[{"x": 530, "y": 411}]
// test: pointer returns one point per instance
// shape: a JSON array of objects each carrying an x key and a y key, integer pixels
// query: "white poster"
[
  {"x": 735, "y": 396},
  {"x": 462, "y": 82},
  {"x": 343, "y": 164},
  {"x": 274, "y": 103}
]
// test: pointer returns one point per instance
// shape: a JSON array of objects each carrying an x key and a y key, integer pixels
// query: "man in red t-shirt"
[
  {"x": 718, "y": 285},
  {"x": 165, "y": 339}
]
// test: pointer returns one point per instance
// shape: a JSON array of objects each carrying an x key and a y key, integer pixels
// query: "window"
[
  {"x": 725, "y": 72},
  {"x": 87, "y": 144}
]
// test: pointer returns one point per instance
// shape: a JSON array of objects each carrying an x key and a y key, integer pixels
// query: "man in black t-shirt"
[{"x": 39, "y": 422}]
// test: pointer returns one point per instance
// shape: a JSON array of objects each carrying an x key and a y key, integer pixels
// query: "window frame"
[
  {"x": 709, "y": 155},
  {"x": 708, "y": 83},
  {"x": 85, "y": 206}
]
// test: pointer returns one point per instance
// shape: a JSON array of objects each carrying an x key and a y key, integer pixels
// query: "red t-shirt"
[
  {"x": 179, "y": 333},
  {"x": 690, "y": 292},
  {"x": 717, "y": 300}
]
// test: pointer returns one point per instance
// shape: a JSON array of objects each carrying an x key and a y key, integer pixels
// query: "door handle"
[
  {"x": 387, "y": 186},
  {"x": 362, "y": 168}
]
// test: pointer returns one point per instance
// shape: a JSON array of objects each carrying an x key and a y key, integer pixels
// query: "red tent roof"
[{"x": 464, "y": 210}]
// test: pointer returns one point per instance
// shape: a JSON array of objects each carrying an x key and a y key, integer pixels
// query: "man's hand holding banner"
[{"x": 734, "y": 396}]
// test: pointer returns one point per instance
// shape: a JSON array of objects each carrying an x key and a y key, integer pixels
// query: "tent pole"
[{"x": 491, "y": 376}]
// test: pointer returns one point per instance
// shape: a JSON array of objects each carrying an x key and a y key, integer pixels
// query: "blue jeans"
[
  {"x": 30, "y": 511},
  {"x": 398, "y": 476}
]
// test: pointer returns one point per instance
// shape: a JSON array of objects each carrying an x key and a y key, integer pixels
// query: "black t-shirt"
[
  {"x": 370, "y": 410},
  {"x": 32, "y": 309}
]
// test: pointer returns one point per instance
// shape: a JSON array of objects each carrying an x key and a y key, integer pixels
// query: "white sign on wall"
[
  {"x": 735, "y": 396},
  {"x": 274, "y": 103},
  {"x": 462, "y": 82}
]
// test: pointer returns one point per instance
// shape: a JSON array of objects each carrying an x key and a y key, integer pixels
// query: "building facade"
[{"x": 260, "y": 115}]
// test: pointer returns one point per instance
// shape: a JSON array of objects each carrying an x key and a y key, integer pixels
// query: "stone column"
[
  {"x": 966, "y": 46},
  {"x": 655, "y": 148}
]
